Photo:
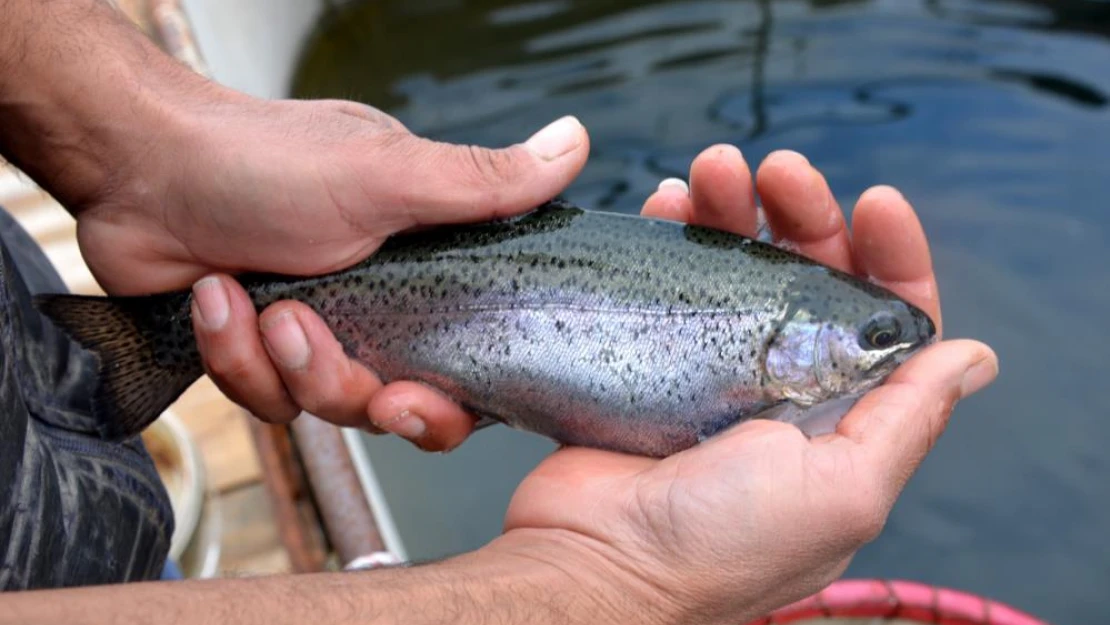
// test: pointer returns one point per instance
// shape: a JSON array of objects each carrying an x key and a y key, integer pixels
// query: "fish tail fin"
[{"x": 144, "y": 366}]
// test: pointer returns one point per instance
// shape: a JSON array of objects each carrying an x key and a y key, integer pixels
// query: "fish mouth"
[{"x": 898, "y": 357}]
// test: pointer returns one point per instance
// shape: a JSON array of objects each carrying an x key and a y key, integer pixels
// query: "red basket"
[{"x": 896, "y": 599}]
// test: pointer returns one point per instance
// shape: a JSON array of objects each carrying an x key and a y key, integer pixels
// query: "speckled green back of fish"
[{"x": 591, "y": 328}]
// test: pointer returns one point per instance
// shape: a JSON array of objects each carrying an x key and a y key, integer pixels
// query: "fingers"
[
  {"x": 316, "y": 372},
  {"x": 722, "y": 191},
  {"x": 890, "y": 246},
  {"x": 721, "y": 194},
  {"x": 887, "y": 242},
  {"x": 226, "y": 328},
  {"x": 670, "y": 201},
  {"x": 286, "y": 361},
  {"x": 802, "y": 211},
  {"x": 422, "y": 415},
  {"x": 803, "y": 214},
  {"x": 278, "y": 364},
  {"x": 892, "y": 428},
  {"x": 440, "y": 183}
]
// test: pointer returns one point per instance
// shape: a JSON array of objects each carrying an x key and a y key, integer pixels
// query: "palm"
[{"x": 724, "y": 499}]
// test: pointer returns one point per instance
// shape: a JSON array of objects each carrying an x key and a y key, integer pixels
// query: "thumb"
[
  {"x": 896, "y": 425},
  {"x": 438, "y": 183}
]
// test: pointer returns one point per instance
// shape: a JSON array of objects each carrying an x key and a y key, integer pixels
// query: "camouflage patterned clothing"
[{"x": 74, "y": 510}]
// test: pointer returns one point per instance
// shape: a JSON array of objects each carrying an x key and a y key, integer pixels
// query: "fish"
[{"x": 598, "y": 329}]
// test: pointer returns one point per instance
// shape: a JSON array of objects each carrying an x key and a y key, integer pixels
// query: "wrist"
[
  {"x": 605, "y": 586},
  {"x": 85, "y": 98},
  {"x": 531, "y": 578}
]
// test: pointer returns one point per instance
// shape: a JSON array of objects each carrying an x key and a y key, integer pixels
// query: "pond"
[{"x": 991, "y": 117}]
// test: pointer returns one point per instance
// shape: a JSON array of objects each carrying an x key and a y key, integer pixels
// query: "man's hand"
[
  {"x": 173, "y": 178},
  {"x": 300, "y": 188},
  {"x": 761, "y": 516}
]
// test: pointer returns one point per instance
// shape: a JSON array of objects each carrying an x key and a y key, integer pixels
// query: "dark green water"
[{"x": 991, "y": 116}]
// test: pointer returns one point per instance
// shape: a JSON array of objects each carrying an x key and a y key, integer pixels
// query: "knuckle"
[
  {"x": 282, "y": 414},
  {"x": 231, "y": 367},
  {"x": 319, "y": 404},
  {"x": 275, "y": 407},
  {"x": 355, "y": 109},
  {"x": 488, "y": 168},
  {"x": 321, "y": 399},
  {"x": 330, "y": 390}
]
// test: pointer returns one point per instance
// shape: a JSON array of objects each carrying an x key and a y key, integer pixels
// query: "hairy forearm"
[
  {"x": 80, "y": 88},
  {"x": 478, "y": 588}
]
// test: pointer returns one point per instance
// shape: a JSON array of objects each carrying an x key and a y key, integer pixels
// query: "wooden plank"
[
  {"x": 250, "y": 544},
  {"x": 221, "y": 430}
]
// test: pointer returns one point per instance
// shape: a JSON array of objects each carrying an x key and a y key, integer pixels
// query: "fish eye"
[{"x": 881, "y": 331}]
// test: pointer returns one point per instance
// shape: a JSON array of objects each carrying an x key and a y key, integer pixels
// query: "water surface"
[{"x": 991, "y": 117}]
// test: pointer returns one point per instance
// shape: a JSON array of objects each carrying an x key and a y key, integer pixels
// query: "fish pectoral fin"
[
  {"x": 815, "y": 420},
  {"x": 781, "y": 411},
  {"x": 715, "y": 426}
]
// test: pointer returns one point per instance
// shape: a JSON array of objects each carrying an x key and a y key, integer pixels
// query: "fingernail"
[
  {"x": 406, "y": 425},
  {"x": 676, "y": 183},
  {"x": 556, "y": 139},
  {"x": 978, "y": 376},
  {"x": 286, "y": 341},
  {"x": 212, "y": 303}
]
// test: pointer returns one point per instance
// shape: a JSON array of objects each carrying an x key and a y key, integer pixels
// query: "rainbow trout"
[{"x": 596, "y": 329}]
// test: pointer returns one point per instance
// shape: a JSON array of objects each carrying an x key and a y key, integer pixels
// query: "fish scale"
[{"x": 596, "y": 329}]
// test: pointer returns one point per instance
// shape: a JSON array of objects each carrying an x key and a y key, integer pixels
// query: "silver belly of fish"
[{"x": 647, "y": 381}]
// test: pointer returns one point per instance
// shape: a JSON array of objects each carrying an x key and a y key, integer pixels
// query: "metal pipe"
[{"x": 340, "y": 500}]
